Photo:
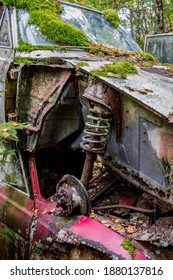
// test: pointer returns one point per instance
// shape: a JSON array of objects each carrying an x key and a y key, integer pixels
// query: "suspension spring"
[{"x": 97, "y": 129}]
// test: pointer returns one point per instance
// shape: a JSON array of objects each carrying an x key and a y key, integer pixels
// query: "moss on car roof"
[{"x": 46, "y": 15}]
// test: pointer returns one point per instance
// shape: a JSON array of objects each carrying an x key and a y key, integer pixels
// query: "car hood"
[{"x": 152, "y": 87}]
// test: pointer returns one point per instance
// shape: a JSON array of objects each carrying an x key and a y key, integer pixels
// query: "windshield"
[
  {"x": 97, "y": 29},
  {"x": 92, "y": 23}
]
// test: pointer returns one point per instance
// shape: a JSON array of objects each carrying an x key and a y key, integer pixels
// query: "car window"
[
  {"x": 5, "y": 40},
  {"x": 97, "y": 29},
  {"x": 161, "y": 46},
  {"x": 30, "y": 33},
  {"x": 92, "y": 23},
  {"x": 11, "y": 171}
]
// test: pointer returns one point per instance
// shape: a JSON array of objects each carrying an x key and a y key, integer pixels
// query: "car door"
[{"x": 16, "y": 207}]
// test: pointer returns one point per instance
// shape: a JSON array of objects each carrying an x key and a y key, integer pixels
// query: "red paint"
[
  {"x": 33, "y": 175},
  {"x": 85, "y": 229},
  {"x": 36, "y": 220},
  {"x": 91, "y": 230}
]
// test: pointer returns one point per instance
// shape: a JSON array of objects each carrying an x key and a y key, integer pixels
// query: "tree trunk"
[
  {"x": 131, "y": 22},
  {"x": 159, "y": 13}
]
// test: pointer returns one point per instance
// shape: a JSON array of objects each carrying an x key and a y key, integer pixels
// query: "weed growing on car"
[
  {"x": 112, "y": 17},
  {"x": 8, "y": 135},
  {"x": 130, "y": 247},
  {"x": 118, "y": 69}
]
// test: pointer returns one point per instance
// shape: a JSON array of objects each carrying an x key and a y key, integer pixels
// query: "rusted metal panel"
[
  {"x": 43, "y": 87},
  {"x": 103, "y": 238},
  {"x": 41, "y": 103},
  {"x": 159, "y": 96},
  {"x": 149, "y": 148},
  {"x": 84, "y": 231}
]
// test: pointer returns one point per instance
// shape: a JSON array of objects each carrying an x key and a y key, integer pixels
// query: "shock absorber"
[
  {"x": 97, "y": 129},
  {"x": 72, "y": 193},
  {"x": 95, "y": 137}
]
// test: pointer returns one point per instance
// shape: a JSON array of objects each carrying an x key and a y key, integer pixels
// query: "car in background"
[{"x": 160, "y": 45}]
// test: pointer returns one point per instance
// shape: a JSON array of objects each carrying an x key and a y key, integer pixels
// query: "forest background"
[{"x": 140, "y": 17}]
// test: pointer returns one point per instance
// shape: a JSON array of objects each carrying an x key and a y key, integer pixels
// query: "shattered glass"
[
  {"x": 97, "y": 29},
  {"x": 4, "y": 29},
  {"x": 92, "y": 23}
]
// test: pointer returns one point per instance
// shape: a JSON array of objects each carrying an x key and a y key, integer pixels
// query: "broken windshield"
[
  {"x": 97, "y": 29},
  {"x": 91, "y": 22}
]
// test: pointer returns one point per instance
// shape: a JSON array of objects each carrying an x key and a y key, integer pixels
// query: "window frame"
[{"x": 6, "y": 15}]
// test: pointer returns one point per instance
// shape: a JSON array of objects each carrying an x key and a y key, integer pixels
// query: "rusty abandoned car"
[{"x": 86, "y": 150}]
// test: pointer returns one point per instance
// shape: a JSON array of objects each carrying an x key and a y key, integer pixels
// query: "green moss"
[
  {"x": 7, "y": 234},
  {"x": 140, "y": 42},
  {"x": 169, "y": 175},
  {"x": 147, "y": 57},
  {"x": 112, "y": 17},
  {"x": 23, "y": 60},
  {"x": 168, "y": 65},
  {"x": 117, "y": 69},
  {"x": 8, "y": 131},
  {"x": 80, "y": 64},
  {"x": 27, "y": 61},
  {"x": 129, "y": 246},
  {"x": 148, "y": 90},
  {"x": 46, "y": 15},
  {"x": 57, "y": 30},
  {"x": 26, "y": 47}
]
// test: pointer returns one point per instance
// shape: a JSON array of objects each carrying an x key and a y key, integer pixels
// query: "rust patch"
[
  {"x": 170, "y": 117},
  {"x": 39, "y": 90},
  {"x": 87, "y": 169},
  {"x": 165, "y": 146},
  {"x": 163, "y": 72}
]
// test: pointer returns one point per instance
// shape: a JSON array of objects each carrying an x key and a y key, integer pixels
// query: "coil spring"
[{"x": 97, "y": 129}]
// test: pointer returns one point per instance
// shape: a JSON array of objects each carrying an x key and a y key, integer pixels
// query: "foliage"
[
  {"x": 6, "y": 233},
  {"x": 8, "y": 131},
  {"x": 169, "y": 175},
  {"x": 28, "y": 61},
  {"x": 168, "y": 14},
  {"x": 26, "y": 47},
  {"x": 147, "y": 57},
  {"x": 57, "y": 30},
  {"x": 112, "y": 17},
  {"x": 80, "y": 64},
  {"x": 129, "y": 246},
  {"x": 116, "y": 69},
  {"x": 140, "y": 42}
]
